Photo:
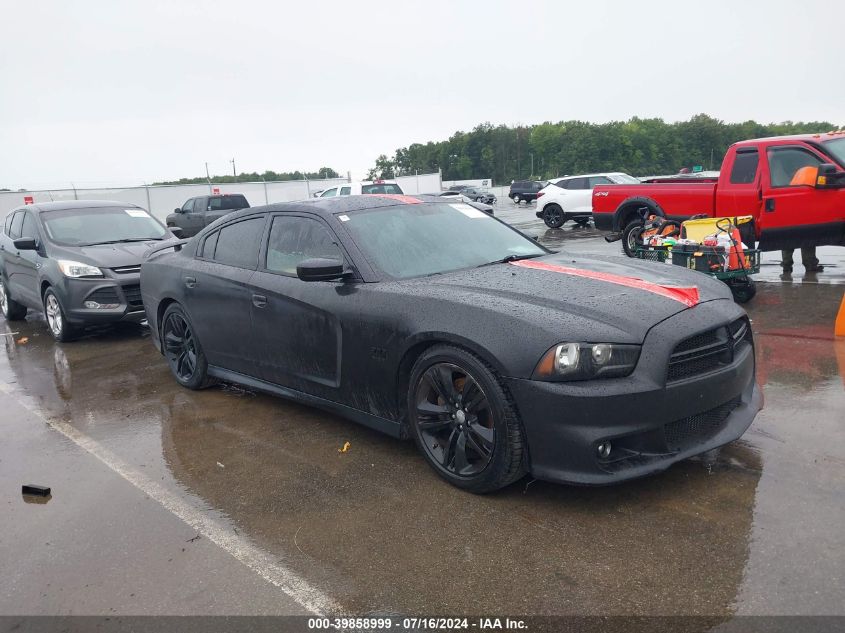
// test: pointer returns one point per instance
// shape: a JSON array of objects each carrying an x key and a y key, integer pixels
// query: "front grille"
[
  {"x": 687, "y": 432},
  {"x": 707, "y": 351},
  {"x": 104, "y": 296},
  {"x": 133, "y": 295},
  {"x": 125, "y": 270}
]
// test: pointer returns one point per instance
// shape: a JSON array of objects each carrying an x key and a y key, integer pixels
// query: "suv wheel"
[
  {"x": 516, "y": 199},
  {"x": 12, "y": 310},
  {"x": 553, "y": 216},
  {"x": 57, "y": 323}
]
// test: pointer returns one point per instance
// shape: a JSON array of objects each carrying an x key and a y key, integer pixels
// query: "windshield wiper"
[
  {"x": 511, "y": 258},
  {"x": 126, "y": 240}
]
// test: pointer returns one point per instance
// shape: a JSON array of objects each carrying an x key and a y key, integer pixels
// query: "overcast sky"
[{"x": 127, "y": 92}]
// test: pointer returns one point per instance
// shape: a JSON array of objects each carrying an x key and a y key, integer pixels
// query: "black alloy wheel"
[
  {"x": 182, "y": 350},
  {"x": 553, "y": 216},
  {"x": 463, "y": 422}
]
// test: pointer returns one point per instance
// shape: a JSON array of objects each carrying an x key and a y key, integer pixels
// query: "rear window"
[
  {"x": 15, "y": 230},
  {"x": 8, "y": 226},
  {"x": 745, "y": 168},
  {"x": 382, "y": 188},
  {"x": 227, "y": 202}
]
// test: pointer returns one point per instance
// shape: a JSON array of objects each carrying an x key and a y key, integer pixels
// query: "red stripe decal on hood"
[{"x": 687, "y": 296}]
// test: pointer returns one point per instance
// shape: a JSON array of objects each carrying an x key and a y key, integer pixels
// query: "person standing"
[{"x": 808, "y": 258}]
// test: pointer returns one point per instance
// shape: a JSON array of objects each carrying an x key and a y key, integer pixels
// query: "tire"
[
  {"x": 743, "y": 290},
  {"x": 12, "y": 310},
  {"x": 182, "y": 349},
  {"x": 631, "y": 237},
  {"x": 553, "y": 216},
  {"x": 516, "y": 199},
  {"x": 57, "y": 321},
  {"x": 480, "y": 446}
]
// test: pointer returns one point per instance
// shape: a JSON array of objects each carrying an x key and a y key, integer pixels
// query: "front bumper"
[
  {"x": 122, "y": 290},
  {"x": 651, "y": 423}
]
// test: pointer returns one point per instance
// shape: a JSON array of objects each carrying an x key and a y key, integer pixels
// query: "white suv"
[
  {"x": 571, "y": 197},
  {"x": 365, "y": 186}
]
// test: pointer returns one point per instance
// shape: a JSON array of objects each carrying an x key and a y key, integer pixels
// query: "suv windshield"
[
  {"x": 228, "y": 202},
  {"x": 424, "y": 239},
  {"x": 624, "y": 179},
  {"x": 836, "y": 148},
  {"x": 86, "y": 227},
  {"x": 381, "y": 188}
]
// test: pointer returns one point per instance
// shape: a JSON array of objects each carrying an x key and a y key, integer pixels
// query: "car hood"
[
  {"x": 627, "y": 296},
  {"x": 108, "y": 255}
]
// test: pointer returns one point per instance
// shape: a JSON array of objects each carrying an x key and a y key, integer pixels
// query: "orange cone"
[{"x": 839, "y": 329}]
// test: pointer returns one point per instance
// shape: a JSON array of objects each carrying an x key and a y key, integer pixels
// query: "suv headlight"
[
  {"x": 76, "y": 269},
  {"x": 586, "y": 361}
]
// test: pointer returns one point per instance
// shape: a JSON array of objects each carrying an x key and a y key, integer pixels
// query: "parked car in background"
[
  {"x": 78, "y": 262},
  {"x": 430, "y": 320},
  {"x": 459, "y": 196},
  {"x": 571, "y": 197},
  {"x": 363, "y": 187},
  {"x": 525, "y": 190},
  {"x": 479, "y": 195},
  {"x": 793, "y": 186},
  {"x": 199, "y": 212}
]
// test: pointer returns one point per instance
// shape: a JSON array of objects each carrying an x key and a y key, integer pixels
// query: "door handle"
[
  {"x": 190, "y": 282},
  {"x": 770, "y": 205},
  {"x": 259, "y": 301}
]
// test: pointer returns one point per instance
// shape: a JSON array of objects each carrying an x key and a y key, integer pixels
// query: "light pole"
[{"x": 234, "y": 172}]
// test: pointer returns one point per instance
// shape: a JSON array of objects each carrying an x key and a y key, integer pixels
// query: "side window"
[
  {"x": 17, "y": 221},
  {"x": 294, "y": 239},
  {"x": 329, "y": 193},
  {"x": 744, "y": 171},
  {"x": 208, "y": 246},
  {"x": 345, "y": 191},
  {"x": 200, "y": 204},
  {"x": 8, "y": 226},
  {"x": 237, "y": 244},
  {"x": 578, "y": 183},
  {"x": 29, "y": 228},
  {"x": 792, "y": 166},
  {"x": 599, "y": 180},
  {"x": 188, "y": 205}
]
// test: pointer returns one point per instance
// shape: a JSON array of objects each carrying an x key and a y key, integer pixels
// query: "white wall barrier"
[{"x": 160, "y": 200}]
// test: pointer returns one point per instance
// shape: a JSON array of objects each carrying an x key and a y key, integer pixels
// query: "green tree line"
[
  {"x": 269, "y": 175},
  {"x": 640, "y": 147}
]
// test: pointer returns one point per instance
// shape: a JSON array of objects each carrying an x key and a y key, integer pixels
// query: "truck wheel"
[
  {"x": 553, "y": 216},
  {"x": 631, "y": 237}
]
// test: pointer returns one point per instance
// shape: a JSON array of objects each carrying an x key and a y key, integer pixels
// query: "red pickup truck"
[{"x": 793, "y": 186}]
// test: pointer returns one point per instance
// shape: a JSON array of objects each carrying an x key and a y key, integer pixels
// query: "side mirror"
[
  {"x": 177, "y": 210},
  {"x": 177, "y": 231},
  {"x": 829, "y": 178},
  {"x": 320, "y": 269},
  {"x": 26, "y": 244}
]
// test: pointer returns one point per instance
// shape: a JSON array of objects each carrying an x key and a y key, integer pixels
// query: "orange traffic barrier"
[{"x": 839, "y": 329}]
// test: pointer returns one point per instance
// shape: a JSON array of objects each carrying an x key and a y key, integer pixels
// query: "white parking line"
[{"x": 258, "y": 561}]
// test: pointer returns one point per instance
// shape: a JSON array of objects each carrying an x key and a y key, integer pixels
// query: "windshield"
[
  {"x": 412, "y": 240},
  {"x": 836, "y": 148},
  {"x": 382, "y": 188},
  {"x": 624, "y": 179},
  {"x": 85, "y": 227}
]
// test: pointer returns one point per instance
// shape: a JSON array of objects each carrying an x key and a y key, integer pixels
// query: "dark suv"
[
  {"x": 78, "y": 262},
  {"x": 526, "y": 190}
]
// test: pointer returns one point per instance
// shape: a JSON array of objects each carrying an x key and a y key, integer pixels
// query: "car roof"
[
  {"x": 604, "y": 173},
  {"x": 65, "y": 205},
  {"x": 811, "y": 138},
  {"x": 340, "y": 204}
]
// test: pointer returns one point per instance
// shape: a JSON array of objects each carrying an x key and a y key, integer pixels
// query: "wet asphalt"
[{"x": 139, "y": 468}]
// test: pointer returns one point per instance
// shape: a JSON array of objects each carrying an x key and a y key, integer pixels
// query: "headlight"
[
  {"x": 75, "y": 269},
  {"x": 585, "y": 361}
]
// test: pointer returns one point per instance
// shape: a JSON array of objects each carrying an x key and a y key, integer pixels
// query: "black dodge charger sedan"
[{"x": 436, "y": 321}]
